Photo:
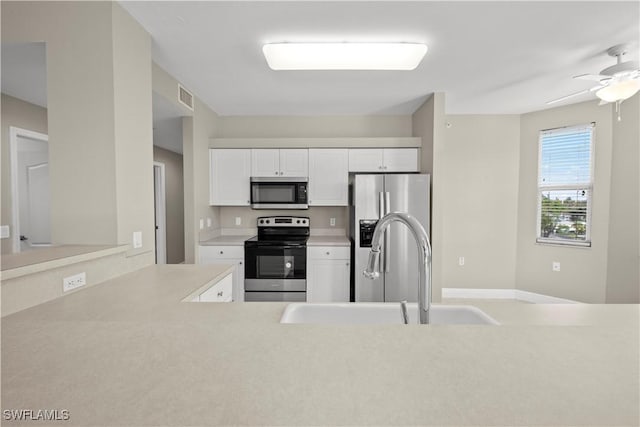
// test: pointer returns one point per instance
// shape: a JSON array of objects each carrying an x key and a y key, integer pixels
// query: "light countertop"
[
  {"x": 129, "y": 352},
  {"x": 328, "y": 241},
  {"x": 227, "y": 240},
  {"x": 49, "y": 257}
]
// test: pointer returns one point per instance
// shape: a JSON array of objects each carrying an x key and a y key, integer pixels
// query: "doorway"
[
  {"x": 160, "y": 209},
  {"x": 30, "y": 189}
]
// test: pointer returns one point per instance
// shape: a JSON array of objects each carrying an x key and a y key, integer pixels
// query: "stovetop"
[{"x": 281, "y": 230}]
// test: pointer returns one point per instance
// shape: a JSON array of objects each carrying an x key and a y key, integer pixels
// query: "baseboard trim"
[{"x": 504, "y": 294}]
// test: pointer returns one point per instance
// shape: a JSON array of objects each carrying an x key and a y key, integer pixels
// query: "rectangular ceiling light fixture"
[{"x": 344, "y": 56}]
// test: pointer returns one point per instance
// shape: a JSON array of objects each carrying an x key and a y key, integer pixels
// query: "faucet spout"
[{"x": 424, "y": 257}]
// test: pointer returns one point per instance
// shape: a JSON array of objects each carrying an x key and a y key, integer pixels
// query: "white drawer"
[
  {"x": 209, "y": 253},
  {"x": 329, "y": 252},
  {"x": 220, "y": 292}
]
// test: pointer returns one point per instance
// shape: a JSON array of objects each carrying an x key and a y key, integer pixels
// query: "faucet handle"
[
  {"x": 371, "y": 274},
  {"x": 403, "y": 310}
]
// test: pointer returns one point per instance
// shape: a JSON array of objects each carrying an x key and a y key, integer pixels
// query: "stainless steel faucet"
[{"x": 424, "y": 257}]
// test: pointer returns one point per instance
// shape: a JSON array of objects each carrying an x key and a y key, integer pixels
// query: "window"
[{"x": 565, "y": 184}]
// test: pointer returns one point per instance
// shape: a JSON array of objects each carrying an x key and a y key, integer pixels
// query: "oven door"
[{"x": 275, "y": 268}]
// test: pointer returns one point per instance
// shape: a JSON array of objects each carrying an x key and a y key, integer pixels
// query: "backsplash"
[{"x": 320, "y": 216}]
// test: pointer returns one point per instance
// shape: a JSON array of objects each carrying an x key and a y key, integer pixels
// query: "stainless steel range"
[{"x": 275, "y": 265}]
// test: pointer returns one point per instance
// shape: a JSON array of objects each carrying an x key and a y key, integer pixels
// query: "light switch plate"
[
  {"x": 238, "y": 220},
  {"x": 137, "y": 239},
  {"x": 208, "y": 222},
  {"x": 4, "y": 232},
  {"x": 332, "y": 222},
  {"x": 201, "y": 224},
  {"x": 555, "y": 266}
]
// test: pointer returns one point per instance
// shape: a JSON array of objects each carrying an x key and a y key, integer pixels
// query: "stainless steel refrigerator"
[{"x": 373, "y": 196}]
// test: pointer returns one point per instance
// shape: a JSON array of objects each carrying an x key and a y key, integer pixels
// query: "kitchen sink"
[{"x": 381, "y": 313}]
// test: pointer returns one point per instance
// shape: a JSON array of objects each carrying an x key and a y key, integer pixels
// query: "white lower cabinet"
[
  {"x": 220, "y": 292},
  {"x": 328, "y": 273},
  {"x": 226, "y": 255}
]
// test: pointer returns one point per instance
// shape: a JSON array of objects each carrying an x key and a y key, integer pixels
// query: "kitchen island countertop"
[{"x": 129, "y": 352}]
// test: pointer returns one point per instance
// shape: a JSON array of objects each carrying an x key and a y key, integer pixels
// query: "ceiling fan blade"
[
  {"x": 570, "y": 96},
  {"x": 593, "y": 77}
]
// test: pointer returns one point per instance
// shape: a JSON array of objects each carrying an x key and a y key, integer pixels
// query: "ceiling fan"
[{"x": 615, "y": 83}]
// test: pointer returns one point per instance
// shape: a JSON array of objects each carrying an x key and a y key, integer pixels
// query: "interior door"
[
  {"x": 406, "y": 193},
  {"x": 39, "y": 204}
]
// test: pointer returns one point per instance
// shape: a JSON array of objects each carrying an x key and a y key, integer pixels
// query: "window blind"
[{"x": 565, "y": 185}]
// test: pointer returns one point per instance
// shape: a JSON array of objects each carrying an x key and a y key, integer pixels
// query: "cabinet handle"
[
  {"x": 385, "y": 168},
  {"x": 277, "y": 173},
  {"x": 240, "y": 263},
  {"x": 347, "y": 263},
  {"x": 380, "y": 167},
  {"x": 328, "y": 253},
  {"x": 220, "y": 293},
  {"x": 221, "y": 252}
]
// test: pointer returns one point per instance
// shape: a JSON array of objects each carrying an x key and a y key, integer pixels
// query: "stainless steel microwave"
[{"x": 279, "y": 193}]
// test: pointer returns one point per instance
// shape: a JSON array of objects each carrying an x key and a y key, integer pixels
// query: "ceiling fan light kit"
[
  {"x": 344, "y": 56},
  {"x": 619, "y": 91}
]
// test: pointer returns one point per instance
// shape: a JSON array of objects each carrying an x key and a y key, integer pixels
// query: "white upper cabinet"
[
  {"x": 383, "y": 160},
  {"x": 400, "y": 159},
  {"x": 274, "y": 162},
  {"x": 328, "y": 177},
  {"x": 265, "y": 162},
  {"x": 229, "y": 173},
  {"x": 365, "y": 160}
]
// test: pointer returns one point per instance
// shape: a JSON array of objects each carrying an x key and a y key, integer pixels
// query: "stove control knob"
[
  {"x": 267, "y": 221},
  {"x": 288, "y": 265},
  {"x": 298, "y": 222}
]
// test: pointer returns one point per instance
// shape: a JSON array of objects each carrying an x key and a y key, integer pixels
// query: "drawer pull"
[
  {"x": 220, "y": 293},
  {"x": 328, "y": 253},
  {"x": 221, "y": 252}
]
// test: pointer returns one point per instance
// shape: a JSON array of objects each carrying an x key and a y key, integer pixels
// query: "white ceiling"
[{"x": 488, "y": 57}]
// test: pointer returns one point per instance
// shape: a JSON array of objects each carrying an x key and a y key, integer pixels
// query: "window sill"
[{"x": 567, "y": 243}]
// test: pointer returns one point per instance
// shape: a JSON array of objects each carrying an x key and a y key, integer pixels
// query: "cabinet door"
[
  {"x": 238, "y": 281},
  {"x": 400, "y": 159},
  {"x": 265, "y": 162},
  {"x": 328, "y": 177},
  {"x": 327, "y": 280},
  {"x": 294, "y": 162},
  {"x": 365, "y": 160},
  {"x": 229, "y": 173},
  {"x": 220, "y": 292}
]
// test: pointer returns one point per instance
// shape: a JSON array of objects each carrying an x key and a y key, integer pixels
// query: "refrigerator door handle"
[
  {"x": 381, "y": 213},
  {"x": 387, "y": 236},
  {"x": 380, "y": 205}
]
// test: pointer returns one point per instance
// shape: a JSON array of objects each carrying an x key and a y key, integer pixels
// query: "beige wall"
[
  {"x": 428, "y": 123},
  {"x": 174, "y": 185},
  {"x": 319, "y": 216},
  {"x": 99, "y": 106},
  {"x": 25, "y": 115},
  {"x": 479, "y": 183},
  {"x": 319, "y": 127},
  {"x": 623, "y": 266},
  {"x": 133, "y": 130},
  {"x": 196, "y": 132},
  {"x": 583, "y": 272}
]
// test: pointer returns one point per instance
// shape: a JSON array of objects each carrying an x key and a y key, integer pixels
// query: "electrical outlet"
[
  {"x": 238, "y": 220},
  {"x": 208, "y": 222},
  {"x": 332, "y": 222},
  {"x": 4, "y": 232},
  {"x": 555, "y": 266},
  {"x": 461, "y": 261},
  {"x": 75, "y": 281},
  {"x": 137, "y": 239},
  {"x": 201, "y": 224}
]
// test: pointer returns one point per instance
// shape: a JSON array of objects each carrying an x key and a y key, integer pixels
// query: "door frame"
[
  {"x": 14, "y": 134},
  {"x": 160, "y": 211}
]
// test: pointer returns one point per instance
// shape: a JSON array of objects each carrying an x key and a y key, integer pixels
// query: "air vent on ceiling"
[{"x": 185, "y": 97}]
